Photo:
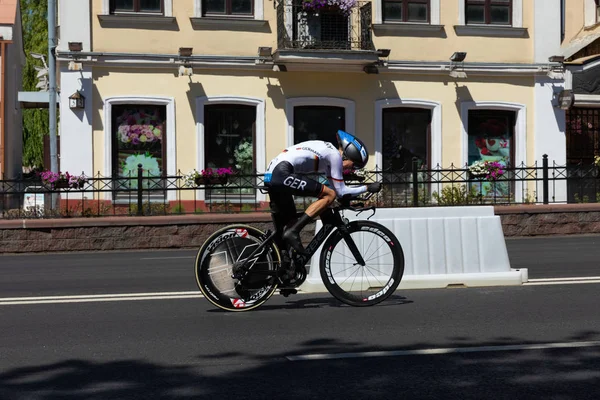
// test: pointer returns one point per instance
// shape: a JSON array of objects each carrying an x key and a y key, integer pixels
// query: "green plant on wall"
[
  {"x": 585, "y": 199},
  {"x": 149, "y": 208},
  {"x": 453, "y": 196},
  {"x": 178, "y": 209}
]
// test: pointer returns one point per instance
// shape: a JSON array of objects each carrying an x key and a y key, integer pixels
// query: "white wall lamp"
[
  {"x": 264, "y": 54},
  {"x": 279, "y": 68},
  {"x": 457, "y": 59},
  {"x": 185, "y": 69},
  {"x": 556, "y": 71},
  {"x": 75, "y": 47}
]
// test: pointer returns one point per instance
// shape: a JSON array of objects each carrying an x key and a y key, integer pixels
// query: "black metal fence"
[
  {"x": 144, "y": 195},
  {"x": 314, "y": 25}
]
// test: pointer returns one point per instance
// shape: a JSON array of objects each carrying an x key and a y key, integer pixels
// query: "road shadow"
[
  {"x": 303, "y": 302},
  {"x": 553, "y": 373}
]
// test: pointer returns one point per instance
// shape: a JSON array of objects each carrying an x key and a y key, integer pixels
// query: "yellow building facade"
[{"x": 193, "y": 84}]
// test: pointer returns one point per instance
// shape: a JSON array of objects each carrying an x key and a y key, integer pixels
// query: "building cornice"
[{"x": 164, "y": 61}]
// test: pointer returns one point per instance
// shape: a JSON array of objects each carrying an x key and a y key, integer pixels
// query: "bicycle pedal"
[{"x": 287, "y": 292}]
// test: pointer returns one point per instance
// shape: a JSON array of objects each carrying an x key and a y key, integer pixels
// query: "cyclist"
[{"x": 285, "y": 178}]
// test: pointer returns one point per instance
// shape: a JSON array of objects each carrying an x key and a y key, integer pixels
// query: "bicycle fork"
[{"x": 337, "y": 220}]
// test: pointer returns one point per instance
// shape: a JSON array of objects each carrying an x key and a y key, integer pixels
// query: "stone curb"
[
  {"x": 547, "y": 208},
  {"x": 135, "y": 221},
  {"x": 245, "y": 217}
]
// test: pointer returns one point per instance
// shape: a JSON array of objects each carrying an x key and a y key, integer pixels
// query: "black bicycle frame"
[{"x": 331, "y": 219}]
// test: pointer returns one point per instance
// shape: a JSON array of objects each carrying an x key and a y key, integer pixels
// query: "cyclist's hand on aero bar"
[{"x": 374, "y": 187}]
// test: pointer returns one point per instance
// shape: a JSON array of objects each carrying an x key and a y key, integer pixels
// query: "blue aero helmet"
[{"x": 353, "y": 149}]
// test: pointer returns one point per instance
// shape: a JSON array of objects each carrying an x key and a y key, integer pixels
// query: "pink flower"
[
  {"x": 147, "y": 131},
  {"x": 135, "y": 138}
]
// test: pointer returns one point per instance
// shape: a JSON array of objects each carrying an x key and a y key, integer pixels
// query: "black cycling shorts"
[
  {"x": 283, "y": 186},
  {"x": 283, "y": 179}
]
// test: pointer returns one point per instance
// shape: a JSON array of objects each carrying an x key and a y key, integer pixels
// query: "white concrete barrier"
[{"x": 443, "y": 246}]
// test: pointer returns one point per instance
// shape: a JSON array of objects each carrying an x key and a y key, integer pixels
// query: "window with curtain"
[
  {"x": 139, "y": 6},
  {"x": 492, "y": 12},
  {"x": 406, "y": 10}
]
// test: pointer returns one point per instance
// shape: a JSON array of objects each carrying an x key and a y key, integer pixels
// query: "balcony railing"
[
  {"x": 303, "y": 27},
  {"x": 410, "y": 187}
]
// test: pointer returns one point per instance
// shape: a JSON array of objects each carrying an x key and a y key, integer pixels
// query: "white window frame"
[
  {"x": 520, "y": 134},
  {"x": 260, "y": 132},
  {"x": 169, "y": 102},
  {"x": 517, "y": 15},
  {"x": 434, "y": 14},
  {"x": 291, "y": 103},
  {"x": 436, "y": 126},
  {"x": 168, "y": 4},
  {"x": 258, "y": 10}
]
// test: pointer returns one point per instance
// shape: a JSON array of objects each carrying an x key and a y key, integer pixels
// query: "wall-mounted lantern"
[
  {"x": 565, "y": 99},
  {"x": 76, "y": 101}
]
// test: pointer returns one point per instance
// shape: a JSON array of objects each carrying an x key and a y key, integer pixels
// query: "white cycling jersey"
[{"x": 317, "y": 156}]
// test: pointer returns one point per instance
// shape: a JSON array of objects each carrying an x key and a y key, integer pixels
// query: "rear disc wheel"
[{"x": 217, "y": 259}]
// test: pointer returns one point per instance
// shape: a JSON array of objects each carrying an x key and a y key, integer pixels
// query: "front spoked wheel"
[
  {"x": 349, "y": 281},
  {"x": 218, "y": 259}
]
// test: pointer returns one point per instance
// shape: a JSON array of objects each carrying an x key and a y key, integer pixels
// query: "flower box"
[
  {"x": 209, "y": 176},
  {"x": 53, "y": 181},
  {"x": 213, "y": 180}
]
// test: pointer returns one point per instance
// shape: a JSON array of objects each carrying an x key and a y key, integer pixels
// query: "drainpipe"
[
  {"x": 52, "y": 86},
  {"x": 3, "y": 108},
  {"x": 52, "y": 93}
]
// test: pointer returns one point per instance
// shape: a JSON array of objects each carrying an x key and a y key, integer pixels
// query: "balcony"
[{"x": 330, "y": 34}]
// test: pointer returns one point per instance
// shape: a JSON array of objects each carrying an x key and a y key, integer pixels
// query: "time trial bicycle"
[{"x": 239, "y": 267}]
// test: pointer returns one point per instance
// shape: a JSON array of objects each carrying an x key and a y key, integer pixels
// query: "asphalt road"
[
  {"x": 184, "y": 348},
  {"x": 533, "y": 341},
  {"x": 173, "y": 270}
]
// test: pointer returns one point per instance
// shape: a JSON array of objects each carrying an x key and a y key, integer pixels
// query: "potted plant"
[
  {"x": 244, "y": 156},
  {"x": 343, "y": 6},
  {"x": 207, "y": 176},
  {"x": 489, "y": 170},
  {"x": 59, "y": 180}
]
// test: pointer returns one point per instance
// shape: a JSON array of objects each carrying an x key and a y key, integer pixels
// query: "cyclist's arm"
[{"x": 337, "y": 179}]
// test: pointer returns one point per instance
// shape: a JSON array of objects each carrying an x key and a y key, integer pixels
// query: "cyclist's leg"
[
  {"x": 292, "y": 235},
  {"x": 283, "y": 211},
  {"x": 284, "y": 180}
]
